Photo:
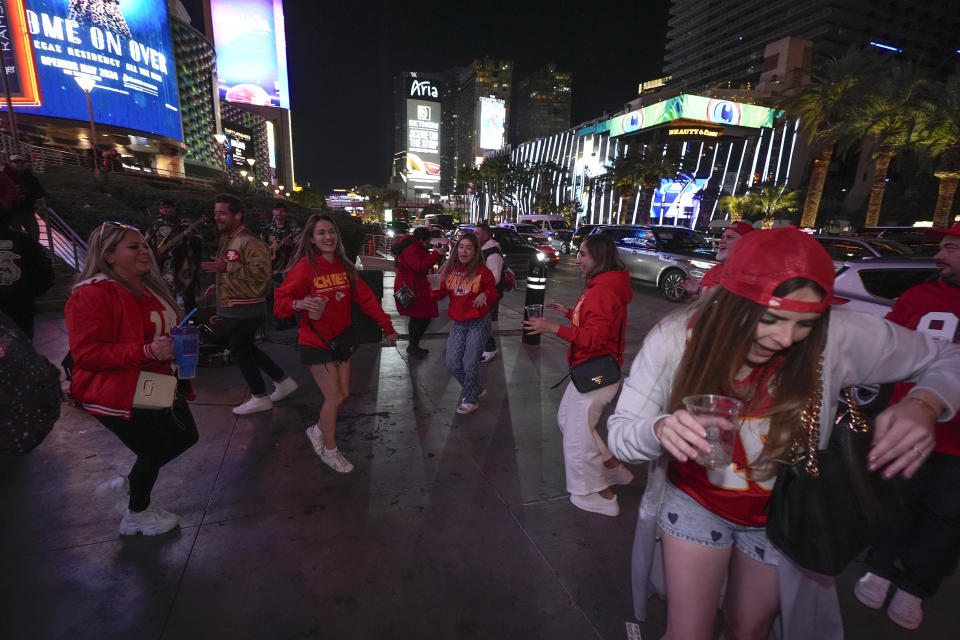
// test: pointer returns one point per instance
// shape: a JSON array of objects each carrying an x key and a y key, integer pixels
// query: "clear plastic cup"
[
  {"x": 434, "y": 279},
  {"x": 720, "y": 417},
  {"x": 533, "y": 311},
  {"x": 316, "y": 315},
  {"x": 186, "y": 350}
]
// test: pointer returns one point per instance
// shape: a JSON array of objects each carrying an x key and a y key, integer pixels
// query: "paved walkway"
[{"x": 450, "y": 527}]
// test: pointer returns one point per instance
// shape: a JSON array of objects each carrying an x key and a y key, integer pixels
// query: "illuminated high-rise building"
[
  {"x": 712, "y": 44},
  {"x": 417, "y": 124},
  {"x": 542, "y": 103}
]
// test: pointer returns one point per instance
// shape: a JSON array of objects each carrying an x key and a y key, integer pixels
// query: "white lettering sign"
[{"x": 423, "y": 88}]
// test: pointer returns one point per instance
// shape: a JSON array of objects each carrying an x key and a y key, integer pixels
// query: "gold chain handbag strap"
[{"x": 805, "y": 445}]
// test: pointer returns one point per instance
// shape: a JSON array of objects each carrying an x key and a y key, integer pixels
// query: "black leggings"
[
  {"x": 416, "y": 328},
  {"x": 157, "y": 437}
]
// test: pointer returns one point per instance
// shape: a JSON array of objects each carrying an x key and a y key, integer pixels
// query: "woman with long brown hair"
[
  {"x": 319, "y": 289},
  {"x": 598, "y": 322},
  {"x": 767, "y": 337},
  {"x": 119, "y": 317}
]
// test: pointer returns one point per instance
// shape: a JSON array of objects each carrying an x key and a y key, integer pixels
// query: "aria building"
[
  {"x": 542, "y": 103},
  {"x": 417, "y": 122}
]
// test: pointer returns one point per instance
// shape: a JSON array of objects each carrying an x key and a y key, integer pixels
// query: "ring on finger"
[{"x": 920, "y": 452}]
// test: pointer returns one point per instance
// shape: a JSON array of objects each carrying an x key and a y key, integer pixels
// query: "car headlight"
[
  {"x": 389, "y": 233},
  {"x": 701, "y": 264},
  {"x": 540, "y": 256}
]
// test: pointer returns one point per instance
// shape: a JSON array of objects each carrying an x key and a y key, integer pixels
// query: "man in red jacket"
[{"x": 918, "y": 554}]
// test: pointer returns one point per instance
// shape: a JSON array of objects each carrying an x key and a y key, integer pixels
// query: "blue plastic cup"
[{"x": 186, "y": 350}]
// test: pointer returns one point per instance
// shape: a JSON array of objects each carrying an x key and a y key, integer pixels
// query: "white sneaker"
[
  {"x": 283, "y": 388},
  {"x": 467, "y": 407},
  {"x": 335, "y": 460},
  {"x": 871, "y": 590},
  {"x": 315, "y": 438},
  {"x": 905, "y": 609},
  {"x": 489, "y": 355},
  {"x": 618, "y": 474},
  {"x": 115, "y": 492},
  {"x": 152, "y": 521},
  {"x": 595, "y": 503},
  {"x": 254, "y": 405}
]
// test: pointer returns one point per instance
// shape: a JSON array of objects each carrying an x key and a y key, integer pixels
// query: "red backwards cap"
[
  {"x": 741, "y": 227},
  {"x": 760, "y": 262},
  {"x": 939, "y": 233}
]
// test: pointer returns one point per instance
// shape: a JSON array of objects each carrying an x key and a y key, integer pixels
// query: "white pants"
[{"x": 583, "y": 449}]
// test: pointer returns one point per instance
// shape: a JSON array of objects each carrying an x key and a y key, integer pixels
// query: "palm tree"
[
  {"x": 642, "y": 174},
  {"x": 735, "y": 207},
  {"x": 893, "y": 117},
  {"x": 942, "y": 140},
  {"x": 769, "y": 199},
  {"x": 823, "y": 107}
]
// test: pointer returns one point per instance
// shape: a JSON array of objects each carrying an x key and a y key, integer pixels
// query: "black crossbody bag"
[
  {"x": 597, "y": 373},
  {"x": 343, "y": 344}
]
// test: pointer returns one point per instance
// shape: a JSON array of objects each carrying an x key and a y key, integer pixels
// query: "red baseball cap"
[
  {"x": 741, "y": 227},
  {"x": 939, "y": 233},
  {"x": 763, "y": 261}
]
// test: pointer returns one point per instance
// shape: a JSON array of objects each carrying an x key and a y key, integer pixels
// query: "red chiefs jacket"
[
  {"x": 599, "y": 319},
  {"x": 464, "y": 290},
  {"x": 413, "y": 265},
  {"x": 105, "y": 327},
  {"x": 328, "y": 279}
]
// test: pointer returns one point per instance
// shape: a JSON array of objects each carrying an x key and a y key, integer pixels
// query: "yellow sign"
[{"x": 694, "y": 131}]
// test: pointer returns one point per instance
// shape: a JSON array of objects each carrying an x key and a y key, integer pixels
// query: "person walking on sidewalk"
[
  {"x": 25, "y": 274},
  {"x": 472, "y": 290},
  {"x": 119, "y": 318},
  {"x": 242, "y": 268},
  {"x": 319, "y": 289},
  {"x": 598, "y": 326},
  {"x": 915, "y": 555},
  {"x": 413, "y": 266},
  {"x": 29, "y": 192},
  {"x": 493, "y": 259}
]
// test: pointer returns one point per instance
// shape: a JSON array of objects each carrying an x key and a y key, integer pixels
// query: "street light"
[
  {"x": 220, "y": 138},
  {"x": 243, "y": 172},
  {"x": 87, "y": 83},
  {"x": 251, "y": 162}
]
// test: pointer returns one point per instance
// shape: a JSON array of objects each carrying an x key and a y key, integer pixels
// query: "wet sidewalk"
[{"x": 450, "y": 527}]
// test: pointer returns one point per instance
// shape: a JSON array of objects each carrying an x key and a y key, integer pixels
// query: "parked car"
[
  {"x": 560, "y": 240},
  {"x": 663, "y": 256},
  {"x": 844, "y": 248},
  {"x": 397, "y": 228},
  {"x": 517, "y": 253},
  {"x": 551, "y": 255},
  {"x": 582, "y": 231},
  {"x": 548, "y": 223},
  {"x": 913, "y": 237},
  {"x": 872, "y": 286},
  {"x": 527, "y": 231}
]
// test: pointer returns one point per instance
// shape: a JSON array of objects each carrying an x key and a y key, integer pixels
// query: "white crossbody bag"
[{"x": 154, "y": 391}]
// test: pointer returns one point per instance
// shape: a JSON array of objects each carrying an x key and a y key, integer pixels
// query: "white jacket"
[{"x": 860, "y": 349}]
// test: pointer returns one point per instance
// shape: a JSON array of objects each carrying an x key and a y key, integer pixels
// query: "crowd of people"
[{"x": 761, "y": 331}]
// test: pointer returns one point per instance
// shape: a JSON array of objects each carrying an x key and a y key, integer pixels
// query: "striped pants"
[{"x": 464, "y": 348}]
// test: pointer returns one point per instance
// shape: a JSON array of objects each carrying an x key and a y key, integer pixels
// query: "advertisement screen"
[
  {"x": 676, "y": 199},
  {"x": 124, "y": 48},
  {"x": 251, "y": 51},
  {"x": 493, "y": 114},
  {"x": 239, "y": 145},
  {"x": 423, "y": 141}
]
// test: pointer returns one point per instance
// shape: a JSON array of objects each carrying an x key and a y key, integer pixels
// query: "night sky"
[{"x": 342, "y": 56}]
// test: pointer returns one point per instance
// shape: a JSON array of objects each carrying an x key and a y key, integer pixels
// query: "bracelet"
[{"x": 933, "y": 409}]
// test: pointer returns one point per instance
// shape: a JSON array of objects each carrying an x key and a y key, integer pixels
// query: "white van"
[{"x": 548, "y": 223}]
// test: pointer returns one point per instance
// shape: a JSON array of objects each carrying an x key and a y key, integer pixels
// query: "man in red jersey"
[{"x": 917, "y": 554}]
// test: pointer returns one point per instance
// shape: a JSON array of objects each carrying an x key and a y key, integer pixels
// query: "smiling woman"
[{"x": 760, "y": 337}]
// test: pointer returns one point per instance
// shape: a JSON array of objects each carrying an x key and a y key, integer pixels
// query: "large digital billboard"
[
  {"x": 493, "y": 115},
  {"x": 123, "y": 47},
  {"x": 251, "y": 51},
  {"x": 423, "y": 132},
  {"x": 239, "y": 145},
  {"x": 676, "y": 199}
]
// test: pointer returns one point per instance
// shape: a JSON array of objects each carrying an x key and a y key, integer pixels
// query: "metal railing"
[
  {"x": 378, "y": 246},
  {"x": 61, "y": 240}
]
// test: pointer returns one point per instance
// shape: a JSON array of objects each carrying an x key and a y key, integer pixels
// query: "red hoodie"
[
  {"x": 328, "y": 279},
  {"x": 599, "y": 318},
  {"x": 464, "y": 290}
]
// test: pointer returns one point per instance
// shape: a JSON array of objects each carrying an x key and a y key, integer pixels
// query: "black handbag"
[
  {"x": 342, "y": 345},
  {"x": 826, "y": 506},
  {"x": 404, "y": 297},
  {"x": 596, "y": 373}
]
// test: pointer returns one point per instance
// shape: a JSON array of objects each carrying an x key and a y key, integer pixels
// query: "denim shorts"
[{"x": 683, "y": 517}]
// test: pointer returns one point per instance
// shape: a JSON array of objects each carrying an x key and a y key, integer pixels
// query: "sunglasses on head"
[{"x": 116, "y": 225}]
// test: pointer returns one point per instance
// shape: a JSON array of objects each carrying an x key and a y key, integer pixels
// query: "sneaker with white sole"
[
  {"x": 618, "y": 474},
  {"x": 467, "y": 407},
  {"x": 315, "y": 438},
  {"x": 335, "y": 460},
  {"x": 283, "y": 388},
  {"x": 254, "y": 405},
  {"x": 595, "y": 503},
  {"x": 489, "y": 355},
  {"x": 115, "y": 492},
  {"x": 152, "y": 521},
  {"x": 871, "y": 590},
  {"x": 905, "y": 609}
]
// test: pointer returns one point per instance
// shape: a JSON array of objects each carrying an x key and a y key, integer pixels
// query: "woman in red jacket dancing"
[
  {"x": 598, "y": 322},
  {"x": 413, "y": 266},
  {"x": 319, "y": 289},
  {"x": 119, "y": 318},
  {"x": 472, "y": 290}
]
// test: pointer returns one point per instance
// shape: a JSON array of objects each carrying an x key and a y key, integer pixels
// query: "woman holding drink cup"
[
  {"x": 119, "y": 317},
  {"x": 598, "y": 322},
  {"x": 320, "y": 287},
  {"x": 766, "y": 338}
]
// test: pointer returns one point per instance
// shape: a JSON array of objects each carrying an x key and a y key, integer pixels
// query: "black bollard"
[{"x": 536, "y": 292}]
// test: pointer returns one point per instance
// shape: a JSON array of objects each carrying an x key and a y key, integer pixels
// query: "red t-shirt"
[
  {"x": 712, "y": 277},
  {"x": 932, "y": 308},
  {"x": 733, "y": 492},
  {"x": 158, "y": 318}
]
